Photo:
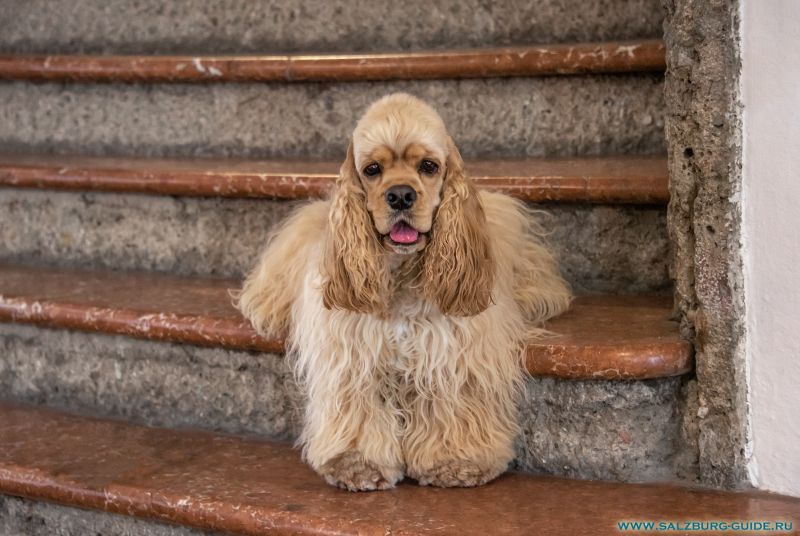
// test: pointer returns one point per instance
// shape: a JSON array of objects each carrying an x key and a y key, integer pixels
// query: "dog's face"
[
  {"x": 400, "y": 155},
  {"x": 402, "y": 190},
  {"x": 403, "y": 187}
]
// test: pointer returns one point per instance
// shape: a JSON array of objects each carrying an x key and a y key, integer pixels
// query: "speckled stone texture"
[
  {"x": 161, "y": 384},
  {"x": 492, "y": 117},
  {"x": 606, "y": 430},
  {"x": 23, "y": 517},
  {"x": 584, "y": 429},
  {"x": 602, "y": 248},
  {"x": 704, "y": 129},
  {"x": 242, "y": 26}
]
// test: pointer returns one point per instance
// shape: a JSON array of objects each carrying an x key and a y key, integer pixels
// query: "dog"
[{"x": 407, "y": 300}]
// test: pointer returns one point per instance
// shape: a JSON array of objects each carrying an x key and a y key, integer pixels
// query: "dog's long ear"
[
  {"x": 458, "y": 270},
  {"x": 354, "y": 270}
]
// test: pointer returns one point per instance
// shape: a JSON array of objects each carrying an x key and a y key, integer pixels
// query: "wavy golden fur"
[
  {"x": 357, "y": 278},
  {"x": 407, "y": 316}
]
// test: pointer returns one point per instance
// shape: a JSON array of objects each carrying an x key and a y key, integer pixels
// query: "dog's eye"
[
  {"x": 372, "y": 170},
  {"x": 428, "y": 166}
]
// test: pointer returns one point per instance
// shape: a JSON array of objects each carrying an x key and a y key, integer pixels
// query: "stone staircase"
[
  {"x": 135, "y": 190},
  {"x": 245, "y": 486}
]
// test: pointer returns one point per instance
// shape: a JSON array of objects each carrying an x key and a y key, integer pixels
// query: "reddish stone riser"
[
  {"x": 615, "y": 179},
  {"x": 602, "y": 337},
  {"x": 614, "y": 57}
]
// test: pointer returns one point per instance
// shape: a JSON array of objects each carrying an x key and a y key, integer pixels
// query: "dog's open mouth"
[{"x": 402, "y": 233}]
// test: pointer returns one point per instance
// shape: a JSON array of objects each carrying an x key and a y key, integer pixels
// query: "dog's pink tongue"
[{"x": 403, "y": 233}]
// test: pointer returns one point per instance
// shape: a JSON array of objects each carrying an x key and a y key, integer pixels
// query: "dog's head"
[
  {"x": 402, "y": 191},
  {"x": 400, "y": 155}
]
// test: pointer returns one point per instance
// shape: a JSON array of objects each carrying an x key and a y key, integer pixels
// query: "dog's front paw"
[
  {"x": 351, "y": 471},
  {"x": 457, "y": 473}
]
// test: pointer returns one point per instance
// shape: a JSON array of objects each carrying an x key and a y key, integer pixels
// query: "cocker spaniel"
[{"x": 407, "y": 300}]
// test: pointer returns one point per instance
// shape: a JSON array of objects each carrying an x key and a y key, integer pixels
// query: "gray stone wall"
[
  {"x": 703, "y": 127},
  {"x": 497, "y": 117},
  {"x": 601, "y": 248},
  {"x": 264, "y": 26}
]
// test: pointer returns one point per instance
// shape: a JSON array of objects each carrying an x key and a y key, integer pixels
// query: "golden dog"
[{"x": 407, "y": 300}]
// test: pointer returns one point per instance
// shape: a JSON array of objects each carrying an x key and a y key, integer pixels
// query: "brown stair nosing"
[
  {"x": 531, "y": 60},
  {"x": 607, "y": 179},
  {"x": 247, "y": 486},
  {"x": 601, "y": 337}
]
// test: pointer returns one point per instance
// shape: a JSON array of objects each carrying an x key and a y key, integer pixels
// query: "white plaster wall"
[{"x": 771, "y": 199}]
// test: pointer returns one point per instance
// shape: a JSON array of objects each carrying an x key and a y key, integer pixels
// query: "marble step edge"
[
  {"x": 248, "y": 486},
  {"x": 530, "y": 60},
  {"x": 601, "y": 337},
  {"x": 602, "y": 179}
]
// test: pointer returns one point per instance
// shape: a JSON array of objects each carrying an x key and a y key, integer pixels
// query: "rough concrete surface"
[
  {"x": 613, "y": 249},
  {"x": 602, "y": 248},
  {"x": 23, "y": 517},
  {"x": 249, "y": 26},
  {"x": 603, "y": 430},
  {"x": 161, "y": 384},
  {"x": 591, "y": 429},
  {"x": 499, "y": 117},
  {"x": 704, "y": 122}
]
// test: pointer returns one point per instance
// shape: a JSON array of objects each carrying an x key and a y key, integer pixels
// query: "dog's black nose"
[{"x": 401, "y": 197}]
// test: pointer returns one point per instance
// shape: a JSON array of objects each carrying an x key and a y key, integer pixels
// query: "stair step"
[
  {"x": 247, "y": 486},
  {"x": 247, "y": 26},
  {"x": 607, "y": 179},
  {"x": 496, "y": 117},
  {"x": 532, "y": 60},
  {"x": 602, "y": 337}
]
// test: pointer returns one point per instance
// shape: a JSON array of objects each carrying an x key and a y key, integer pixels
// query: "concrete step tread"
[
  {"x": 602, "y": 179},
  {"x": 247, "y": 486},
  {"x": 601, "y": 337},
  {"x": 531, "y": 60}
]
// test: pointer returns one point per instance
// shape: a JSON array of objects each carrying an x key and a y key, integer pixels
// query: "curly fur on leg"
[
  {"x": 459, "y": 473},
  {"x": 352, "y": 472}
]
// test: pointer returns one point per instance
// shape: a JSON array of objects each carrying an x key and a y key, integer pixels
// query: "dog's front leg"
[
  {"x": 462, "y": 422},
  {"x": 463, "y": 437},
  {"x": 351, "y": 432}
]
